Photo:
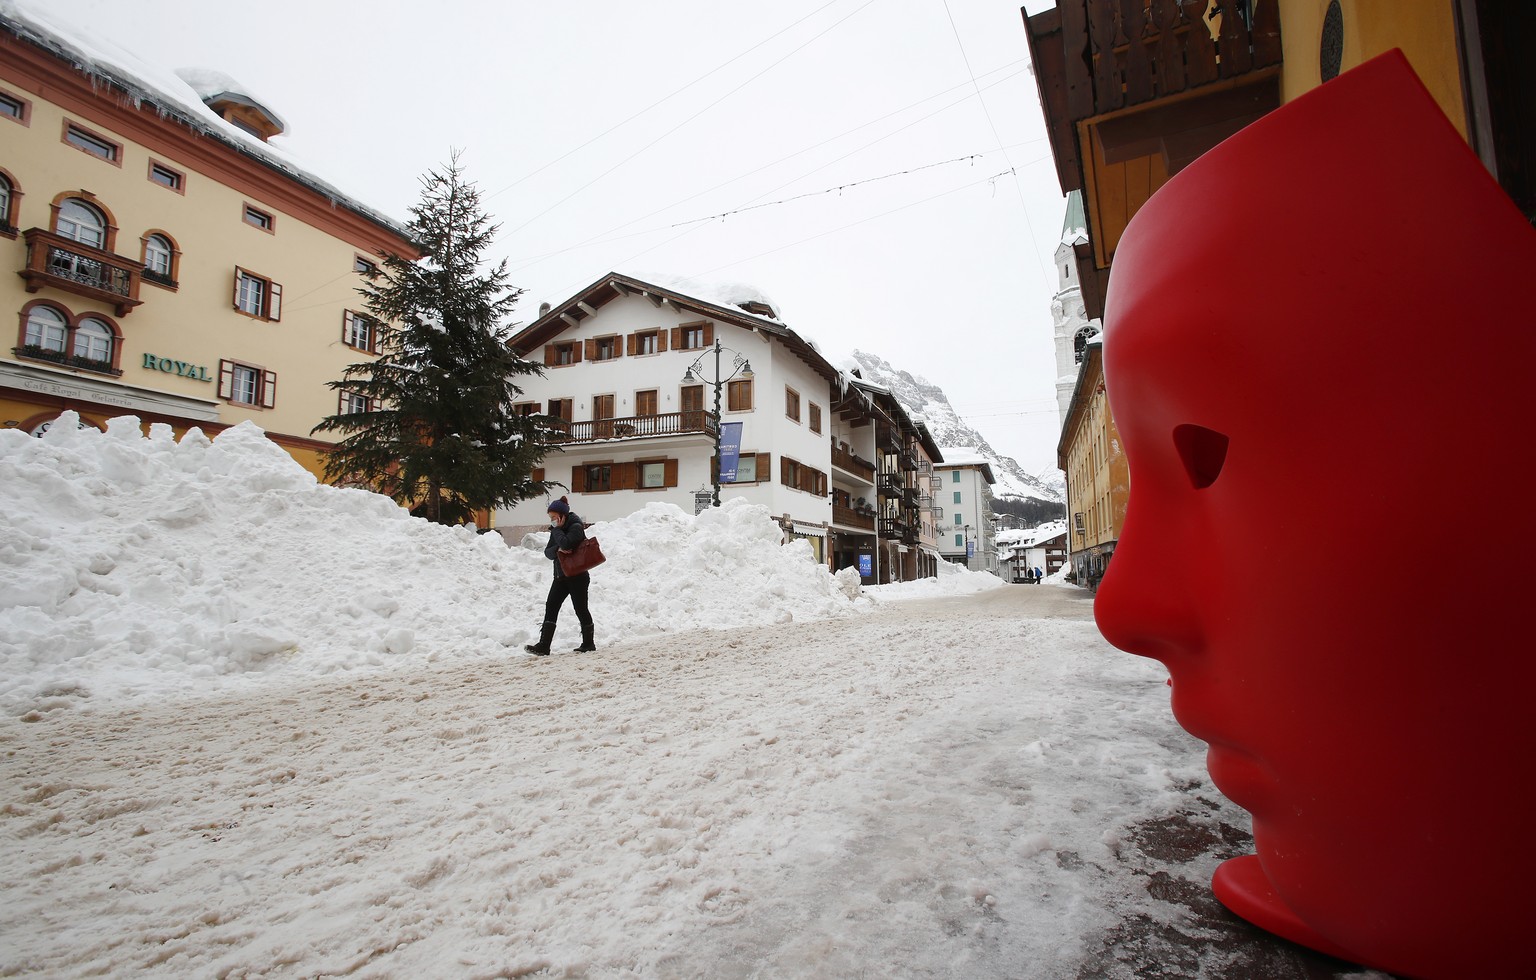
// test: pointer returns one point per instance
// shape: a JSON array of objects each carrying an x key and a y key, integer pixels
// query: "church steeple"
[{"x": 1071, "y": 325}]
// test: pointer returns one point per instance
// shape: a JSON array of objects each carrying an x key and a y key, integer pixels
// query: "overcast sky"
[{"x": 599, "y": 130}]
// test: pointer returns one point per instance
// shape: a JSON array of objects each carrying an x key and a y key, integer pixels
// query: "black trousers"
[{"x": 576, "y": 587}]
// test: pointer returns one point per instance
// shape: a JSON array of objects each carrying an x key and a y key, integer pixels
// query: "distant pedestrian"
[
  {"x": 1039, "y": 574},
  {"x": 566, "y": 531}
]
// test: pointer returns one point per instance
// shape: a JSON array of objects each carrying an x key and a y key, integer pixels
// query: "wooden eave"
[{"x": 1047, "y": 54}]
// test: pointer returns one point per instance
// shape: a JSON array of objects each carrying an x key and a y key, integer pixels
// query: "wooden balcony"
[
  {"x": 1133, "y": 90},
  {"x": 634, "y": 427},
  {"x": 848, "y": 517},
  {"x": 849, "y": 463},
  {"x": 63, "y": 263}
]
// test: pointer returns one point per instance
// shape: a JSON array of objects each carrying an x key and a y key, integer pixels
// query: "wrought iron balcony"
[
  {"x": 53, "y": 260},
  {"x": 634, "y": 427}
]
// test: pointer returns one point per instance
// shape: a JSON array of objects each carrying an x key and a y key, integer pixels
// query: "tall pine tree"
[{"x": 440, "y": 433}]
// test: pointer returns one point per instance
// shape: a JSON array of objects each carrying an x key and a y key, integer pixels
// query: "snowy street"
[{"x": 937, "y": 788}]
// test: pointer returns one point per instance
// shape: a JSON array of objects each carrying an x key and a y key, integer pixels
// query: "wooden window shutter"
[
  {"x": 709, "y": 334},
  {"x": 578, "y": 479},
  {"x": 537, "y": 475},
  {"x": 629, "y": 344},
  {"x": 346, "y": 326},
  {"x": 625, "y": 476},
  {"x": 537, "y": 408},
  {"x": 677, "y": 337},
  {"x": 591, "y": 350},
  {"x": 234, "y": 296},
  {"x": 765, "y": 466},
  {"x": 226, "y": 379},
  {"x": 661, "y": 341},
  {"x": 274, "y": 301},
  {"x": 549, "y": 355},
  {"x": 268, "y": 389},
  {"x": 669, "y": 473}
]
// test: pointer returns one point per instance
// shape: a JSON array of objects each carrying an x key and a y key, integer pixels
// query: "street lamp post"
[{"x": 694, "y": 375}]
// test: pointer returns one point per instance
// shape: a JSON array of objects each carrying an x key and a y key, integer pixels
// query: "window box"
[{"x": 33, "y": 352}]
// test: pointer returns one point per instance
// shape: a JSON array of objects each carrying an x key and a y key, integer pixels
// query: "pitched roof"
[{"x": 587, "y": 301}]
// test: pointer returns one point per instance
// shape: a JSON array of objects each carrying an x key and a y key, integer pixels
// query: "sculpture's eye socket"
[{"x": 1203, "y": 451}]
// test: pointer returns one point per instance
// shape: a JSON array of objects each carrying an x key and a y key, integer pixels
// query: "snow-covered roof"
[
  {"x": 103, "y": 59},
  {"x": 740, "y": 295},
  {"x": 212, "y": 86},
  {"x": 1074, "y": 225}
]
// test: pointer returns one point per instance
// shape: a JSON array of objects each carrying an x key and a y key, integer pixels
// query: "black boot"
[
  {"x": 541, "y": 648},
  {"x": 587, "y": 646}
]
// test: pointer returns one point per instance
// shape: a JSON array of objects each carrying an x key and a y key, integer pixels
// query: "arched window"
[
  {"x": 158, "y": 253},
  {"x": 46, "y": 328},
  {"x": 5, "y": 202},
  {"x": 1080, "y": 344},
  {"x": 93, "y": 340},
  {"x": 82, "y": 222}
]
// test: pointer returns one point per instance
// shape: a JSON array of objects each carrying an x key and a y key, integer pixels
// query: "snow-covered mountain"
[{"x": 926, "y": 403}]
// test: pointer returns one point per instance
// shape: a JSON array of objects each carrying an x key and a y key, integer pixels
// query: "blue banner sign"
[
  {"x": 730, "y": 450},
  {"x": 970, "y": 549},
  {"x": 866, "y": 564}
]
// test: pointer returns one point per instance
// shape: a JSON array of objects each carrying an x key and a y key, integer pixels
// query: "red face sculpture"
[{"x": 1320, "y": 351}]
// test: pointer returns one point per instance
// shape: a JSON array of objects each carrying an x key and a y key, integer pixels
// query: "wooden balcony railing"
[
  {"x": 848, "y": 517},
  {"x": 634, "y": 427},
  {"x": 1140, "y": 50},
  {"x": 53, "y": 260},
  {"x": 850, "y": 463}
]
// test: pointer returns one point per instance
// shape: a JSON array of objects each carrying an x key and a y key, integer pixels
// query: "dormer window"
[{"x": 233, "y": 103}]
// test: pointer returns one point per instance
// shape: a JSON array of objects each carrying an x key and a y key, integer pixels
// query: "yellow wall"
[
  {"x": 1424, "y": 29},
  {"x": 196, "y": 323}
]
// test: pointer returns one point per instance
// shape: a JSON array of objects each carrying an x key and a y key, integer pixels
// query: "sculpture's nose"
[{"x": 1144, "y": 605}]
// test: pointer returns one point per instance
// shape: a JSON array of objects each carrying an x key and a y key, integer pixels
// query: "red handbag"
[{"x": 585, "y": 556}]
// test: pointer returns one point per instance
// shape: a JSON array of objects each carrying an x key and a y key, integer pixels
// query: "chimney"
[{"x": 543, "y": 308}]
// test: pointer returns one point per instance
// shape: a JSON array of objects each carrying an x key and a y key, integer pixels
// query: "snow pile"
[
  {"x": 952, "y": 580},
  {"x": 133, "y": 564}
]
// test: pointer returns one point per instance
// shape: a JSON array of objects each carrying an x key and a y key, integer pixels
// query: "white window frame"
[{"x": 270, "y": 295}]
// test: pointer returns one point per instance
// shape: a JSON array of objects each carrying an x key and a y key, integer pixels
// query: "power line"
[
  {"x": 1039, "y": 260},
  {"x": 666, "y": 98},
  {"x": 685, "y": 122},
  {"x": 811, "y": 238},
  {"x": 601, "y": 237},
  {"x": 828, "y": 190}
]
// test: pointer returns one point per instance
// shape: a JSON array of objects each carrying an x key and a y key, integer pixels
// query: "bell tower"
[{"x": 1071, "y": 325}]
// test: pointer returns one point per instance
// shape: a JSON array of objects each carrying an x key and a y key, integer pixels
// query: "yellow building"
[
  {"x": 1098, "y": 477},
  {"x": 170, "y": 263}
]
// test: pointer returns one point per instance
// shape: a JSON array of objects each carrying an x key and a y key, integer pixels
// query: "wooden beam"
[
  {"x": 572, "y": 321},
  {"x": 655, "y": 300},
  {"x": 586, "y": 308}
]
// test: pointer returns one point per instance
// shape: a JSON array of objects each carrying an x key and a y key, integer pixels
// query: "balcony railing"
[
  {"x": 908, "y": 460},
  {"x": 891, "y": 484},
  {"x": 897, "y": 529},
  {"x": 1144, "y": 51},
  {"x": 37, "y": 353},
  {"x": 850, "y": 463},
  {"x": 53, "y": 260},
  {"x": 848, "y": 517},
  {"x": 633, "y": 427}
]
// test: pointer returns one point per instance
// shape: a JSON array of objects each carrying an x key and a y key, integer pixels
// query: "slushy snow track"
[{"x": 936, "y": 788}]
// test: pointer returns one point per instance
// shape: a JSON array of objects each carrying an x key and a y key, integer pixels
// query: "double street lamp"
[{"x": 740, "y": 368}]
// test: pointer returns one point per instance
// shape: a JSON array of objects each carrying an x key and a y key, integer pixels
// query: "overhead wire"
[
  {"x": 666, "y": 98},
  {"x": 1035, "y": 245},
  {"x": 602, "y": 237},
  {"x": 691, "y": 118}
]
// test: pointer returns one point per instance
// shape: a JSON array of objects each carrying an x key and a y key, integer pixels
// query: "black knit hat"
[{"x": 559, "y": 507}]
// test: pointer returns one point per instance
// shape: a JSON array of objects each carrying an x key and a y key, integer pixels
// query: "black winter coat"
[{"x": 566, "y": 537}]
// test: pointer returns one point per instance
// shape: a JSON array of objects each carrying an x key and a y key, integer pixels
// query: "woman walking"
[{"x": 566, "y": 531}]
